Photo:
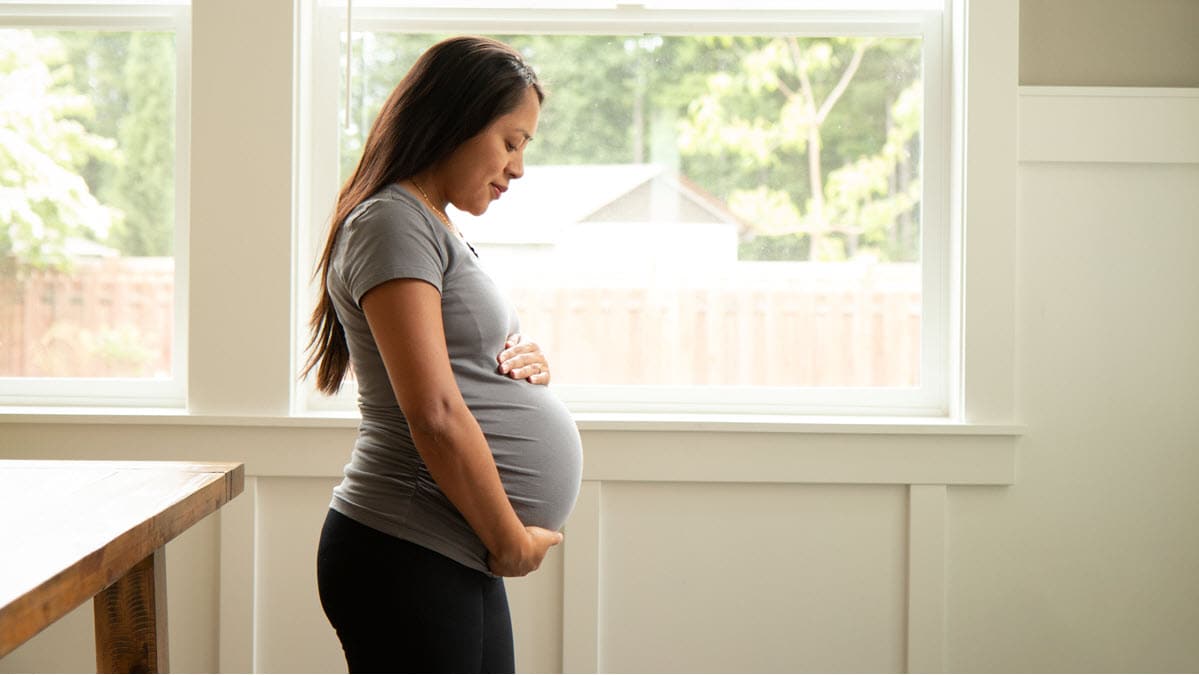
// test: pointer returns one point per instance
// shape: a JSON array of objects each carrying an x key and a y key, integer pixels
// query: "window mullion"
[
  {"x": 638, "y": 21},
  {"x": 88, "y": 16}
]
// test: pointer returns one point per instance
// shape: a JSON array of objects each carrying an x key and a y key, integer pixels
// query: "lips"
[{"x": 497, "y": 190}]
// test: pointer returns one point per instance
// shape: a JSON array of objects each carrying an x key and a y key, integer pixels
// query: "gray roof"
[{"x": 549, "y": 197}]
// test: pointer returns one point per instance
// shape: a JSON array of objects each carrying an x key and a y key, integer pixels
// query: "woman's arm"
[{"x": 405, "y": 320}]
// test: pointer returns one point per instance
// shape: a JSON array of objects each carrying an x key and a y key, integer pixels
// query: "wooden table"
[{"x": 74, "y": 530}]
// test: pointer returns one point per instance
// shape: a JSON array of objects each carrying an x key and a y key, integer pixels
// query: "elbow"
[{"x": 434, "y": 420}]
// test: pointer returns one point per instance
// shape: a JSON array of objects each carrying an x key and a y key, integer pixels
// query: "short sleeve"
[{"x": 388, "y": 239}]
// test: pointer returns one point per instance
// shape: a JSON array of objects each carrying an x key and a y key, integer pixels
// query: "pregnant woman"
[{"x": 466, "y": 465}]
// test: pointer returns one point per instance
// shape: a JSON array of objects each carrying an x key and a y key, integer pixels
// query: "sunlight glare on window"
[
  {"x": 87, "y": 204},
  {"x": 706, "y": 209}
]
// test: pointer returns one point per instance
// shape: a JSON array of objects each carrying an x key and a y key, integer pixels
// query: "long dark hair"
[{"x": 455, "y": 90}]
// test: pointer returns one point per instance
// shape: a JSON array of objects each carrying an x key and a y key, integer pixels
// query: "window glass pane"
[
  {"x": 705, "y": 210},
  {"x": 87, "y": 204}
]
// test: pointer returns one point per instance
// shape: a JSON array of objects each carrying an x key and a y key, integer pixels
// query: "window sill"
[
  {"x": 794, "y": 424},
  {"x": 634, "y": 422},
  {"x": 619, "y": 447}
]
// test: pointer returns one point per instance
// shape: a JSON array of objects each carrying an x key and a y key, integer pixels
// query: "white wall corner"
[{"x": 989, "y": 209}]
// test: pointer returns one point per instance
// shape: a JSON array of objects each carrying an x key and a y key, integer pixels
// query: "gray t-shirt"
[{"x": 531, "y": 433}]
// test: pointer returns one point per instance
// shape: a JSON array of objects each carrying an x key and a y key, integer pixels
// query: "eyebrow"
[{"x": 527, "y": 136}]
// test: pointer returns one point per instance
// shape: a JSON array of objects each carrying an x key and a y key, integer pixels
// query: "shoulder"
[
  {"x": 389, "y": 236},
  {"x": 391, "y": 219},
  {"x": 390, "y": 206}
]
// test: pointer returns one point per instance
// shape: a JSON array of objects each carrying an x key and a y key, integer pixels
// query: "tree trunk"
[{"x": 816, "y": 183}]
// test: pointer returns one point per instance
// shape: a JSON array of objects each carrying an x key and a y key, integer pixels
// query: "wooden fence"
[
  {"x": 114, "y": 318},
  {"x": 109, "y": 317},
  {"x": 727, "y": 337}
]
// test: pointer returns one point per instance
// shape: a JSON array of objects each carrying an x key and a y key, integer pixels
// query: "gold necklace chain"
[
  {"x": 440, "y": 214},
  {"x": 444, "y": 218}
]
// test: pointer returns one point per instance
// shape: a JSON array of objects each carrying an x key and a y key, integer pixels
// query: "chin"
[{"x": 474, "y": 208}]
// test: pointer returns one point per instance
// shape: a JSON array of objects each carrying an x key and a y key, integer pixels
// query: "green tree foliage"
[
  {"x": 44, "y": 202},
  {"x": 599, "y": 126},
  {"x": 95, "y": 66},
  {"x": 86, "y": 143},
  {"x": 144, "y": 182},
  {"x": 812, "y": 142},
  {"x": 795, "y": 108},
  {"x": 611, "y": 99},
  {"x": 380, "y": 61}
]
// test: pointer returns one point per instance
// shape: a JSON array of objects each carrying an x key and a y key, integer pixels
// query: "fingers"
[
  {"x": 541, "y": 541},
  {"x": 524, "y": 361},
  {"x": 515, "y": 350},
  {"x": 528, "y": 361},
  {"x": 553, "y": 538},
  {"x": 532, "y": 369}
]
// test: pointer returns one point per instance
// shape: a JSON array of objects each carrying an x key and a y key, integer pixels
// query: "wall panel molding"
[
  {"x": 970, "y": 458},
  {"x": 581, "y": 574},
  {"x": 238, "y": 572},
  {"x": 926, "y": 578},
  {"x": 1141, "y": 125}
]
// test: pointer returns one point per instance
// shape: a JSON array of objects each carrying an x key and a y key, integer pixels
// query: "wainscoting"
[{"x": 757, "y": 550}]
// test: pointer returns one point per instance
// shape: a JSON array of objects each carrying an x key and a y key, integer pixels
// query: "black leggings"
[{"x": 399, "y": 607}]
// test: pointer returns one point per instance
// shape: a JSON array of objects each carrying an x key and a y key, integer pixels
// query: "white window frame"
[
  {"x": 174, "y": 16},
  {"x": 320, "y": 25}
]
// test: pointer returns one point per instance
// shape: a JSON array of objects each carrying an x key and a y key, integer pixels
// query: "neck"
[
  {"x": 428, "y": 194},
  {"x": 428, "y": 199}
]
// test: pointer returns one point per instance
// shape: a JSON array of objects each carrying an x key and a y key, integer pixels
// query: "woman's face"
[{"x": 480, "y": 169}]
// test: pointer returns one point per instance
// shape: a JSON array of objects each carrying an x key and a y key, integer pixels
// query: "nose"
[{"x": 516, "y": 167}]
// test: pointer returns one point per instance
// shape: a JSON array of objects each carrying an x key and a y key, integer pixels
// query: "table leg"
[{"x": 131, "y": 620}]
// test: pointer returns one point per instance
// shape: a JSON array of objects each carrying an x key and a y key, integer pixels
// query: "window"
[
  {"x": 722, "y": 211},
  {"x": 92, "y": 206}
]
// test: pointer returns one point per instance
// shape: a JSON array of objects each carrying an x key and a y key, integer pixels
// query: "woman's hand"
[
  {"x": 527, "y": 556},
  {"x": 523, "y": 360}
]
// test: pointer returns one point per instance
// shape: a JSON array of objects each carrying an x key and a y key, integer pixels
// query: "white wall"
[
  {"x": 773, "y": 548},
  {"x": 1088, "y": 563}
]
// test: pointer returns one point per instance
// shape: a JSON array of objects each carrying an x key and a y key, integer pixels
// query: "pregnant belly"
[{"x": 537, "y": 451}]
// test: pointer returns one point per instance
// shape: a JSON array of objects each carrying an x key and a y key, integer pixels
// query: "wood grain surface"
[
  {"x": 70, "y": 529},
  {"x": 131, "y": 620}
]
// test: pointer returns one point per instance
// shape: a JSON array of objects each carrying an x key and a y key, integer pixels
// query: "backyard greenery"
[
  {"x": 86, "y": 143},
  {"x": 812, "y": 142}
]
